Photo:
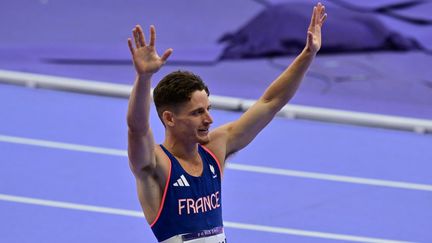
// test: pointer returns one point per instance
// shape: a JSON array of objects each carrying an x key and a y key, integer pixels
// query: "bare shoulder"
[
  {"x": 151, "y": 184},
  {"x": 151, "y": 181},
  {"x": 218, "y": 142},
  {"x": 159, "y": 172},
  {"x": 163, "y": 162}
]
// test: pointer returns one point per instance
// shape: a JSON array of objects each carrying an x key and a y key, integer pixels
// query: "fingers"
[
  {"x": 322, "y": 14},
  {"x": 152, "y": 35},
  {"x": 141, "y": 38},
  {"x": 130, "y": 46},
  {"x": 138, "y": 36},
  {"x": 166, "y": 54},
  {"x": 313, "y": 18},
  {"x": 318, "y": 15},
  {"x": 323, "y": 18}
]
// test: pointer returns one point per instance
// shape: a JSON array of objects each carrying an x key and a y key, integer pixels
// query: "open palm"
[
  {"x": 314, "y": 31},
  {"x": 145, "y": 58}
]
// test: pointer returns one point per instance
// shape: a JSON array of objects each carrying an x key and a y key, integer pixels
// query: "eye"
[{"x": 197, "y": 112}]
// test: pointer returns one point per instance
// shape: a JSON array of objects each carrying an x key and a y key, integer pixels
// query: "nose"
[{"x": 208, "y": 118}]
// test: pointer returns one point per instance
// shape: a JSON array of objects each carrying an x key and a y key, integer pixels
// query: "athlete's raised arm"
[
  {"x": 238, "y": 134},
  {"x": 146, "y": 62}
]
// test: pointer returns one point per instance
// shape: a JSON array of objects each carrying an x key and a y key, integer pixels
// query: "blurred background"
[
  {"x": 363, "y": 110},
  {"x": 375, "y": 56}
]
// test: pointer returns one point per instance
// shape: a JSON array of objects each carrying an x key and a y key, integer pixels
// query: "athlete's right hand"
[{"x": 144, "y": 57}]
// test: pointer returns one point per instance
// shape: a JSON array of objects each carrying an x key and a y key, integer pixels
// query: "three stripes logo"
[{"x": 181, "y": 181}]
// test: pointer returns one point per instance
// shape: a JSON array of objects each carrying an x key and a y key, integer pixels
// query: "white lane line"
[
  {"x": 60, "y": 145},
  {"x": 307, "y": 233},
  {"x": 73, "y": 206},
  {"x": 233, "y": 166},
  {"x": 228, "y": 224},
  {"x": 331, "y": 177}
]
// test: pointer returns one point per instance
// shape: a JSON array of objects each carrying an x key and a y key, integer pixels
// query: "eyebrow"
[{"x": 199, "y": 108}]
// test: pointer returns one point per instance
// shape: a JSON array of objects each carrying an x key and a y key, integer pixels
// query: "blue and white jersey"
[{"x": 191, "y": 206}]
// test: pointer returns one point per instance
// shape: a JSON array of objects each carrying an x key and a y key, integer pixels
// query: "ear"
[{"x": 168, "y": 118}]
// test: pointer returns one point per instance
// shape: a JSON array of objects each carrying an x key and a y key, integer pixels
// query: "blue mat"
[{"x": 87, "y": 40}]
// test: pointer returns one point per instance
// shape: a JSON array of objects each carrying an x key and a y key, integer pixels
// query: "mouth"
[{"x": 203, "y": 130}]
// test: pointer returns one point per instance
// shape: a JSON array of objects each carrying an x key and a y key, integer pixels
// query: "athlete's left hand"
[{"x": 319, "y": 15}]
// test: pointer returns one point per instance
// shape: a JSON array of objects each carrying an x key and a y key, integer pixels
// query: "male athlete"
[{"x": 179, "y": 181}]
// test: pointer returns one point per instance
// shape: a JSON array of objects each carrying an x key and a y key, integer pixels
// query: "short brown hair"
[{"x": 175, "y": 89}]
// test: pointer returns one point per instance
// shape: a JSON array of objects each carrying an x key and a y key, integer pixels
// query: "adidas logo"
[{"x": 181, "y": 181}]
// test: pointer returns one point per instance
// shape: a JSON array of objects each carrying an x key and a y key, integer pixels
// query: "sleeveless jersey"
[{"x": 191, "y": 207}]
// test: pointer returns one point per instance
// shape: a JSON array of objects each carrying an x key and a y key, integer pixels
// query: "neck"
[{"x": 180, "y": 149}]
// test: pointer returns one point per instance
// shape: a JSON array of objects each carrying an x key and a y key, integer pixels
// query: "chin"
[{"x": 203, "y": 140}]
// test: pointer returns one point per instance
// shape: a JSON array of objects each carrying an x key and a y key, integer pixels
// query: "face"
[{"x": 192, "y": 120}]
